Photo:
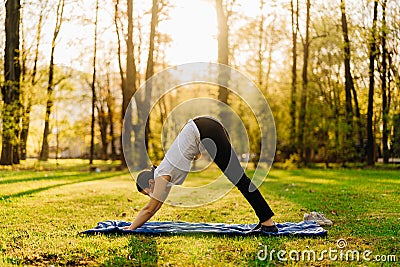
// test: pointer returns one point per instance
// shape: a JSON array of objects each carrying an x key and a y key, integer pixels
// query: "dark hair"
[{"x": 142, "y": 180}]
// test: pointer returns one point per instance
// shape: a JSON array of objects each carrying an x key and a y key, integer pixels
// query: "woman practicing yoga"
[{"x": 207, "y": 132}]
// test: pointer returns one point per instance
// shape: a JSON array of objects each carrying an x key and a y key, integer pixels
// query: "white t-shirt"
[{"x": 178, "y": 159}]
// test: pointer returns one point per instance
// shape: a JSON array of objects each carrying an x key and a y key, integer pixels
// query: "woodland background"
[{"x": 329, "y": 70}]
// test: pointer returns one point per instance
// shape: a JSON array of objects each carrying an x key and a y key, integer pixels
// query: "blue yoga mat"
[{"x": 304, "y": 228}]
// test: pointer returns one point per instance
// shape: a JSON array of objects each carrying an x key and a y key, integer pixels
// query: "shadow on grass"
[
  {"x": 37, "y": 190},
  {"x": 43, "y": 177},
  {"x": 311, "y": 174},
  {"x": 142, "y": 252}
]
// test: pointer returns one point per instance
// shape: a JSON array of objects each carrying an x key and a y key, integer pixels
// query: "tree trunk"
[
  {"x": 260, "y": 48},
  {"x": 25, "y": 129},
  {"x": 370, "y": 113},
  {"x": 129, "y": 89},
  {"x": 293, "y": 93},
  {"x": 93, "y": 87},
  {"x": 44, "y": 153},
  {"x": 25, "y": 99},
  {"x": 385, "y": 104},
  {"x": 396, "y": 135},
  {"x": 128, "y": 84},
  {"x": 359, "y": 125},
  {"x": 11, "y": 88},
  {"x": 141, "y": 145},
  {"x": 349, "y": 85},
  {"x": 112, "y": 135},
  {"x": 303, "y": 104},
  {"x": 122, "y": 77},
  {"x": 223, "y": 57},
  {"x": 103, "y": 120},
  {"x": 110, "y": 117}
]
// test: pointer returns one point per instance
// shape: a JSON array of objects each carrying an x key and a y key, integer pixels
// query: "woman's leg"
[{"x": 226, "y": 159}]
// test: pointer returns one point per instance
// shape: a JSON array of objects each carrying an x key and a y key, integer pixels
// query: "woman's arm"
[
  {"x": 157, "y": 198},
  {"x": 145, "y": 213}
]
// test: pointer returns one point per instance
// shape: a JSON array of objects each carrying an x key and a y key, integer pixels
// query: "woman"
[{"x": 175, "y": 166}]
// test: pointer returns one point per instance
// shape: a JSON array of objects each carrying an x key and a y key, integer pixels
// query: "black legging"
[{"x": 226, "y": 159}]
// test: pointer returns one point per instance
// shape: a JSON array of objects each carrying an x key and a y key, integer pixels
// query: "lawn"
[{"x": 44, "y": 207}]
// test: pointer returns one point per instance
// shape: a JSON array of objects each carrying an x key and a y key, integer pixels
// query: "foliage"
[{"x": 291, "y": 163}]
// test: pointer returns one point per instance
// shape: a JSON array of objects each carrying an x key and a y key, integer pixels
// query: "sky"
[
  {"x": 194, "y": 32},
  {"x": 193, "y": 27}
]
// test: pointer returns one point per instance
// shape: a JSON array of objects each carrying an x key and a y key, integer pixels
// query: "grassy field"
[{"x": 43, "y": 210}]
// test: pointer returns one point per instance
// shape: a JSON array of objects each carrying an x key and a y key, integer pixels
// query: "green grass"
[{"x": 43, "y": 210}]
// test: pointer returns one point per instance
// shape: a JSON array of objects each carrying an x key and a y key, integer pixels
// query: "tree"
[
  {"x": 128, "y": 85},
  {"x": 143, "y": 126},
  {"x": 103, "y": 122},
  {"x": 385, "y": 103},
  {"x": 44, "y": 153},
  {"x": 93, "y": 86},
  {"x": 293, "y": 91},
  {"x": 349, "y": 85},
  {"x": 223, "y": 54},
  {"x": 370, "y": 113},
  {"x": 303, "y": 104},
  {"x": 110, "y": 107},
  {"x": 111, "y": 114},
  {"x": 11, "y": 88}
]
